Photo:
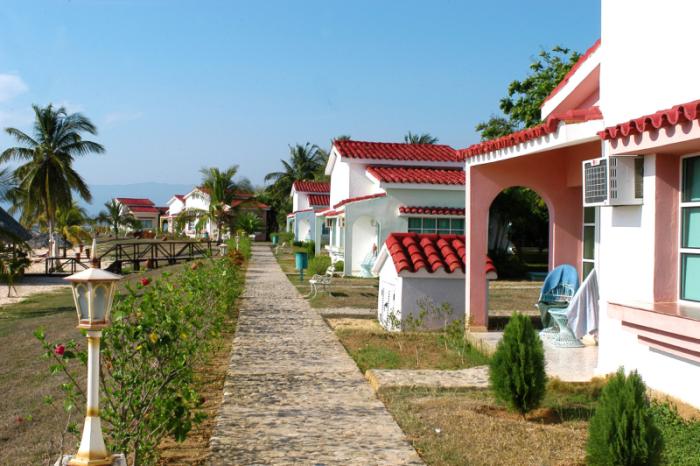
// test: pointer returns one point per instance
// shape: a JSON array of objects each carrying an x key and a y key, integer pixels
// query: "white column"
[{"x": 92, "y": 449}]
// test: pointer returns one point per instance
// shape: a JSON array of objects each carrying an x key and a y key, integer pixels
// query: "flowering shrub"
[{"x": 149, "y": 352}]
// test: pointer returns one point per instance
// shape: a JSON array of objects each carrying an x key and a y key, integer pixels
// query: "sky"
[{"x": 174, "y": 86}]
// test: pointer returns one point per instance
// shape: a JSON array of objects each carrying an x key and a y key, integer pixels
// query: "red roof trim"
[
  {"x": 432, "y": 210},
  {"x": 412, "y": 252},
  {"x": 359, "y": 198},
  {"x": 417, "y": 175},
  {"x": 689, "y": 111},
  {"x": 548, "y": 127},
  {"x": 143, "y": 209},
  {"x": 320, "y": 199},
  {"x": 134, "y": 201},
  {"x": 396, "y": 151},
  {"x": 573, "y": 70},
  {"x": 309, "y": 186}
]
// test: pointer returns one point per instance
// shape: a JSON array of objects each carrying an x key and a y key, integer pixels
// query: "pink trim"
[{"x": 548, "y": 127}]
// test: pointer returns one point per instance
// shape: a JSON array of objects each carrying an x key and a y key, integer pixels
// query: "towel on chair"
[
  {"x": 562, "y": 275},
  {"x": 582, "y": 312}
]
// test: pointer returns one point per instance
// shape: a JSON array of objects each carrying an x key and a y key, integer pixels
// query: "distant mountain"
[{"x": 157, "y": 192}]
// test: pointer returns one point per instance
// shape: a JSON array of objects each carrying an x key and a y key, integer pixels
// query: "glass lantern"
[{"x": 93, "y": 292}]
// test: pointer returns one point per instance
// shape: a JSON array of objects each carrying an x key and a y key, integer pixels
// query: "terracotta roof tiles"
[
  {"x": 417, "y": 175},
  {"x": 396, "y": 151},
  {"x": 319, "y": 199},
  {"x": 452, "y": 211},
  {"x": 672, "y": 116},
  {"x": 430, "y": 252},
  {"x": 306, "y": 186}
]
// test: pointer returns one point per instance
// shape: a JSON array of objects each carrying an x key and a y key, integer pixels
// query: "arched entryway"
[
  {"x": 555, "y": 177},
  {"x": 364, "y": 242},
  {"x": 518, "y": 244}
]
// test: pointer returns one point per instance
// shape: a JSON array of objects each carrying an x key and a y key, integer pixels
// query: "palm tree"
[
  {"x": 46, "y": 179},
  {"x": 424, "y": 138},
  {"x": 303, "y": 164},
  {"x": 249, "y": 222},
  {"x": 70, "y": 224},
  {"x": 116, "y": 218},
  {"x": 219, "y": 186}
]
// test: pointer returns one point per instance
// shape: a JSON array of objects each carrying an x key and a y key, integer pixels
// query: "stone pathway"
[
  {"x": 473, "y": 377},
  {"x": 292, "y": 394}
]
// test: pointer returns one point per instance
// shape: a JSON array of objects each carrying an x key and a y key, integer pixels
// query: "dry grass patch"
[
  {"x": 360, "y": 293},
  {"x": 374, "y": 348},
  {"x": 452, "y": 427}
]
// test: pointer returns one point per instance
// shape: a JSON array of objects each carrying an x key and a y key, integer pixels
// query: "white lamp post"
[{"x": 93, "y": 292}]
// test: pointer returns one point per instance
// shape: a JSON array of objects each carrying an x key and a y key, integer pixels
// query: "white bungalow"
[
  {"x": 144, "y": 210},
  {"x": 422, "y": 273},
  {"x": 309, "y": 198},
  {"x": 174, "y": 206},
  {"x": 632, "y": 214},
  {"x": 380, "y": 188}
]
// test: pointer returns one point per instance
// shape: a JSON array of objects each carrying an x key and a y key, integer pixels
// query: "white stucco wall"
[
  {"x": 389, "y": 296},
  {"x": 385, "y": 210},
  {"x": 300, "y": 201},
  {"x": 340, "y": 182},
  {"x": 175, "y": 206},
  {"x": 648, "y": 60}
]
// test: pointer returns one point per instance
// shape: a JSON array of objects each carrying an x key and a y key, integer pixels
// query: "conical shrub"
[
  {"x": 517, "y": 371},
  {"x": 622, "y": 431}
]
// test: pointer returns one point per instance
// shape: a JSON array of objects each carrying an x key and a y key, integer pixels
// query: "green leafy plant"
[
  {"x": 319, "y": 264},
  {"x": 161, "y": 331},
  {"x": 517, "y": 372},
  {"x": 622, "y": 429},
  {"x": 339, "y": 266},
  {"x": 681, "y": 437},
  {"x": 249, "y": 222}
]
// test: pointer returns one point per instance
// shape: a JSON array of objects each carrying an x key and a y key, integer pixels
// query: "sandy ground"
[{"x": 29, "y": 286}]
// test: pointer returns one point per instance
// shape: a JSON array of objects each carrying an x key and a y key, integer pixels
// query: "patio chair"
[
  {"x": 323, "y": 281},
  {"x": 559, "y": 287},
  {"x": 282, "y": 247}
]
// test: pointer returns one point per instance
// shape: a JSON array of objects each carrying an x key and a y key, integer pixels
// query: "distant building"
[
  {"x": 308, "y": 199},
  {"x": 144, "y": 210}
]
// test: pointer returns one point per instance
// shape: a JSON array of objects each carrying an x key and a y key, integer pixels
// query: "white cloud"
[
  {"x": 113, "y": 118},
  {"x": 11, "y": 85}
]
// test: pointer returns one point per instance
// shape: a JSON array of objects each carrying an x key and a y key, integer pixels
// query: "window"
[
  {"x": 589, "y": 214},
  {"x": 146, "y": 224},
  {"x": 443, "y": 226},
  {"x": 690, "y": 229}
]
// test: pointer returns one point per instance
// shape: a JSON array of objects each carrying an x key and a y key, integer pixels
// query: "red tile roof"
[
  {"x": 133, "y": 201},
  {"x": 328, "y": 213},
  {"x": 143, "y": 209},
  {"x": 543, "y": 129},
  {"x": 180, "y": 197},
  {"x": 431, "y": 210},
  {"x": 417, "y": 175},
  {"x": 247, "y": 204},
  {"x": 678, "y": 114},
  {"x": 413, "y": 252},
  {"x": 320, "y": 199},
  {"x": 359, "y": 198},
  {"x": 396, "y": 151},
  {"x": 573, "y": 70},
  {"x": 305, "y": 186}
]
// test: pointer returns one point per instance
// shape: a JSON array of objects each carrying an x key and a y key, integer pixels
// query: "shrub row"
[{"x": 160, "y": 332}]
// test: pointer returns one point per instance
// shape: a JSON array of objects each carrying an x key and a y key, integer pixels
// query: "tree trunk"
[{"x": 53, "y": 250}]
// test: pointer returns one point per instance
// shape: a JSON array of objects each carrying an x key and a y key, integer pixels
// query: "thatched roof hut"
[{"x": 10, "y": 229}]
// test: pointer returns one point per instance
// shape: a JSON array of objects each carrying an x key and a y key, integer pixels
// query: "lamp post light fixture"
[{"x": 93, "y": 292}]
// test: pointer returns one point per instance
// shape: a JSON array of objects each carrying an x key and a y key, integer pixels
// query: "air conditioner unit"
[{"x": 613, "y": 181}]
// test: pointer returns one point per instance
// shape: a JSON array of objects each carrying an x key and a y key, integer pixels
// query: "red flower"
[
  {"x": 59, "y": 350},
  {"x": 145, "y": 281}
]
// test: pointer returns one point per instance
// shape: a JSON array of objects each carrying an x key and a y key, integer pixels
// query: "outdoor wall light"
[{"x": 93, "y": 292}]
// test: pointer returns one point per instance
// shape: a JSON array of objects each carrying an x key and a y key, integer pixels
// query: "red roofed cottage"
[{"x": 422, "y": 272}]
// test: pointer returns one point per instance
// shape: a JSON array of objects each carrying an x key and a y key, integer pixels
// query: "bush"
[
  {"x": 517, "y": 372},
  {"x": 319, "y": 264},
  {"x": 161, "y": 331},
  {"x": 310, "y": 247},
  {"x": 509, "y": 266},
  {"x": 681, "y": 437},
  {"x": 622, "y": 430},
  {"x": 339, "y": 266},
  {"x": 245, "y": 245}
]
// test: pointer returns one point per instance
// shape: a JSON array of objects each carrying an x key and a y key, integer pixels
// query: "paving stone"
[{"x": 292, "y": 394}]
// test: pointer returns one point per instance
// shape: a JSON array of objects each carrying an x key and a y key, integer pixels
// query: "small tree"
[
  {"x": 249, "y": 222},
  {"x": 517, "y": 368},
  {"x": 622, "y": 430}
]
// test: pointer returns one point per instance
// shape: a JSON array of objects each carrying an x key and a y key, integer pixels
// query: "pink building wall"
[{"x": 562, "y": 194}]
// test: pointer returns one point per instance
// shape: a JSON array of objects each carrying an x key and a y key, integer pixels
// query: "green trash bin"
[{"x": 301, "y": 261}]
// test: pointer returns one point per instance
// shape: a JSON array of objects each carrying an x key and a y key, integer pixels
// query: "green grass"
[{"x": 681, "y": 438}]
